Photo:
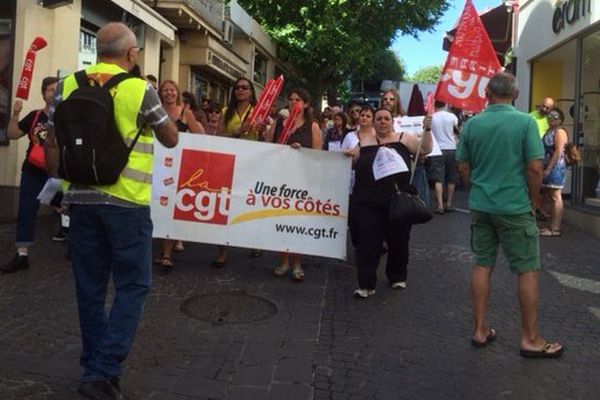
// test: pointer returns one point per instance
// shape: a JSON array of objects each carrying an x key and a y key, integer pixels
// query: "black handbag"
[{"x": 407, "y": 208}]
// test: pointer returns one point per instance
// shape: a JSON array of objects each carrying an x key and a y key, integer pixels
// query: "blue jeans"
[
  {"x": 31, "y": 186},
  {"x": 105, "y": 239}
]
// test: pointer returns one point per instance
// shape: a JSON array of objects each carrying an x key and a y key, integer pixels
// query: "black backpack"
[{"x": 92, "y": 151}]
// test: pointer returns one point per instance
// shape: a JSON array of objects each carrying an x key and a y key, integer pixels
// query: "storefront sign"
[
  {"x": 257, "y": 195},
  {"x": 570, "y": 12}
]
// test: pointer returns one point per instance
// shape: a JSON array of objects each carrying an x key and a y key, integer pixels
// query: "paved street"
[{"x": 312, "y": 340}]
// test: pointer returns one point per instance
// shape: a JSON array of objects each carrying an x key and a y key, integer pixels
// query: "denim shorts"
[{"x": 518, "y": 235}]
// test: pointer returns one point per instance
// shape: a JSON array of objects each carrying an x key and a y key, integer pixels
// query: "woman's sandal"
[
  {"x": 167, "y": 263},
  {"x": 281, "y": 270},
  {"x": 550, "y": 233},
  {"x": 159, "y": 259},
  {"x": 298, "y": 274},
  {"x": 218, "y": 264}
]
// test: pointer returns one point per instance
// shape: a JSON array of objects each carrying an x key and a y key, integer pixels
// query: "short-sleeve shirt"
[
  {"x": 39, "y": 132},
  {"x": 541, "y": 121},
  {"x": 497, "y": 144},
  {"x": 442, "y": 127}
]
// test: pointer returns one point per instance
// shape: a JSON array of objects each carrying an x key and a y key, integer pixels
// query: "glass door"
[{"x": 589, "y": 117}]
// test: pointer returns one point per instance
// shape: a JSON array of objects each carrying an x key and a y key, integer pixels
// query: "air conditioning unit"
[{"x": 227, "y": 32}]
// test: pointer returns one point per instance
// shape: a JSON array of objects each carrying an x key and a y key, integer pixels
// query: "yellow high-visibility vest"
[{"x": 135, "y": 182}]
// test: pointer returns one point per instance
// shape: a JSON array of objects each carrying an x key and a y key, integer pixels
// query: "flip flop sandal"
[
  {"x": 281, "y": 270},
  {"x": 543, "y": 352},
  {"x": 218, "y": 264},
  {"x": 489, "y": 339},
  {"x": 167, "y": 263},
  {"x": 159, "y": 259},
  {"x": 550, "y": 233},
  {"x": 439, "y": 211},
  {"x": 298, "y": 274},
  {"x": 179, "y": 246},
  {"x": 255, "y": 253}
]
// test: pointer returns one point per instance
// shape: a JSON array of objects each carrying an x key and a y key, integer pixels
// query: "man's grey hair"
[
  {"x": 114, "y": 40},
  {"x": 503, "y": 85}
]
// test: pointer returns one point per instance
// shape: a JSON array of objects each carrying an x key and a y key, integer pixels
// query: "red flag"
[
  {"x": 289, "y": 123},
  {"x": 27, "y": 72},
  {"x": 471, "y": 62},
  {"x": 265, "y": 101}
]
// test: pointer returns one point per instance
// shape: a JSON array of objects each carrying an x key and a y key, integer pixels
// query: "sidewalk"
[{"x": 321, "y": 342}]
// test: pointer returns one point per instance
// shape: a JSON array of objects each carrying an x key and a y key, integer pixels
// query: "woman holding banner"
[
  {"x": 234, "y": 124},
  {"x": 304, "y": 132},
  {"x": 383, "y": 164},
  {"x": 184, "y": 118},
  {"x": 33, "y": 172}
]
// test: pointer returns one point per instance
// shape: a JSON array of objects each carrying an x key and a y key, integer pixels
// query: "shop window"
[
  {"x": 7, "y": 9},
  {"x": 589, "y": 117},
  {"x": 260, "y": 69}
]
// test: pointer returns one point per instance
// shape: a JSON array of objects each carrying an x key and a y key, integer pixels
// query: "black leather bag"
[{"x": 407, "y": 208}]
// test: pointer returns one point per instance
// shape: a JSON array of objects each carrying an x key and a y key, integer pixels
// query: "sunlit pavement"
[{"x": 313, "y": 340}]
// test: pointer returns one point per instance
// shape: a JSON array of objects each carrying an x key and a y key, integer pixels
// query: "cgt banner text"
[{"x": 250, "y": 194}]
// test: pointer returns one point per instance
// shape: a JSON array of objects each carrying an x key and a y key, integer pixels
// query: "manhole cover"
[{"x": 234, "y": 307}]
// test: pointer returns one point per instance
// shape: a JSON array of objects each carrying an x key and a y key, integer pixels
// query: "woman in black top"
[
  {"x": 33, "y": 172},
  {"x": 305, "y": 133},
  {"x": 370, "y": 203}
]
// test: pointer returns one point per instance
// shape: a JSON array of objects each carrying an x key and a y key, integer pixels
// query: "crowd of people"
[{"x": 111, "y": 231}]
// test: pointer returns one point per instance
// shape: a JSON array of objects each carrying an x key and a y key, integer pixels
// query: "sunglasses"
[
  {"x": 555, "y": 117},
  {"x": 242, "y": 87},
  {"x": 389, "y": 98},
  {"x": 355, "y": 111}
]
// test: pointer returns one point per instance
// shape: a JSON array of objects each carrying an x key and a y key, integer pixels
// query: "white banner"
[{"x": 250, "y": 194}]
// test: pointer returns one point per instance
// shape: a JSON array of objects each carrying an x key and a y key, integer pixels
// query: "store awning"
[
  {"x": 147, "y": 15},
  {"x": 497, "y": 23}
]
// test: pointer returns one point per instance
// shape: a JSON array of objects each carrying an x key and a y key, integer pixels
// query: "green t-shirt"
[
  {"x": 497, "y": 144},
  {"x": 541, "y": 121}
]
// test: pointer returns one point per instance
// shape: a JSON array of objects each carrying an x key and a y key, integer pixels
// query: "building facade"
[
  {"x": 558, "y": 51},
  {"x": 204, "y": 45}
]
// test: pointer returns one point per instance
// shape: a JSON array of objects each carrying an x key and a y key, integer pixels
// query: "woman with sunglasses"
[
  {"x": 234, "y": 124},
  {"x": 353, "y": 115},
  {"x": 182, "y": 115},
  {"x": 391, "y": 101},
  {"x": 213, "y": 122},
  {"x": 305, "y": 133},
  {"x": 555, "y": 166}
]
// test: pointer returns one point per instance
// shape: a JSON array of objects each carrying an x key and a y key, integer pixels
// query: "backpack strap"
[
  {"x": 116, "y": 79},
  {"x": 81, "y": 78}
]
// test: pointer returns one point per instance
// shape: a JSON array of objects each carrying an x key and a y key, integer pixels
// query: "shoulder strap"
[
  {"x": 81, "y": 78},
  {"x": 115, "y": 80},
  {"x": 34, "y": 122}
]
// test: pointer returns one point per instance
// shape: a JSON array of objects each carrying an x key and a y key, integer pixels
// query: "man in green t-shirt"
[
  {"x": 540, "y": 115},
  {"x": 500, "y": 157}
]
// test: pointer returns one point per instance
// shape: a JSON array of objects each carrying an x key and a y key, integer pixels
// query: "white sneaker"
[
  {"x": 399, "y": 285},
  {"x": 363, "y": 293}
]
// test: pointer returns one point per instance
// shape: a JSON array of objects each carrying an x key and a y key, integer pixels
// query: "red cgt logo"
[{"x": 204, "y": 187}]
